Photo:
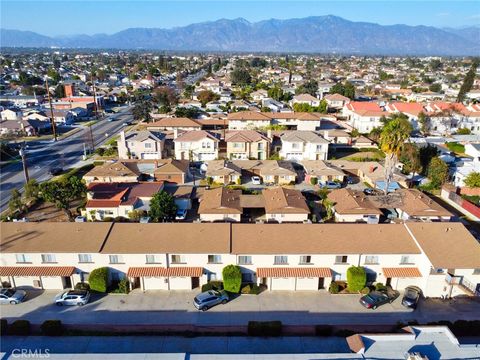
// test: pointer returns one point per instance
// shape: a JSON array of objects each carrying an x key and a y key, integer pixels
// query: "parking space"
[{"x": 176, "y": 307}]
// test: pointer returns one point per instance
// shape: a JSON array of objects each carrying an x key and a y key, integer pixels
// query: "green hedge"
[
  {"x": 19, "y": 327},
  {"x": 232, "y": 278},
  {"x": 212, "y": 285},
  {"x": 264, "y": 328},
  {"x": 334, "y": 288},
  {"x": 356, "y": 278},
  {"x": 252, "y": 289},
  {"x": 380, "y": 287},
  {"x": 82, "y": 286},
  {"x": 52, "y": 328},
  {"x": 98, "y": 280}
]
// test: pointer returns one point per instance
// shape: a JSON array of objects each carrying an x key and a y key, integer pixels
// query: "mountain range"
[{"x": 317, "y": 34}]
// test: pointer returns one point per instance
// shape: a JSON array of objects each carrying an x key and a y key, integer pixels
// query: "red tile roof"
[
  {"x": 294, "y": 272},
  {"x": 36, "y": 270},
  {"x": 157, "y": 271},
  {"x": 362, "y": 105},
  {"x": 401, "y": 272}
]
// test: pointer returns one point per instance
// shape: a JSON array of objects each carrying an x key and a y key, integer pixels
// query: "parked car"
[
  {"x": 256, "y": 180},
  {"x": 12, "y": 296},
  {"x": 330, "y": 185},
  {"x": 127, "y": 123},
  {"x": 207, "y": 299},
  {"x": 370, "y": 191},
  {"x": 55, "y": 171},
  {"x": 377, "y": 298},
  {"x": 181, "y": 214},
  {"x": 350, "y": 180},
  {"x": 411, "y": 296},
  {"x": 111, "y": 118},
  {"x": 73, "y": 297},
  {"x": 144, "y": 219}
]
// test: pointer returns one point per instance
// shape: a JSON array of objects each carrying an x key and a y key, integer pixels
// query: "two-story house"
[
  {"x": 363, "y": 116},
  {"x": 141, "y": 145},
  {"x": 303, "y": 145},
  {"x": 247, "y": 144},
  {"x": 196, "y": 145}
]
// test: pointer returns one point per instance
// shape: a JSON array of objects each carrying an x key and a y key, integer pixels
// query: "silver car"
[
  {"x": 210, "y": 298},
  {"x": 11, "y": 296},
  {"x": 72, "y": 297}
]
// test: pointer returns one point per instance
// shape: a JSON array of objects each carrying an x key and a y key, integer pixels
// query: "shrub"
[
  {"x": 365, "y": 290},
  {"x": 313, "y": 181},
  {"x": 232, "y": 278},
  {"x": 124, "y": 286},
  {"x": 212, "y": 285},
  {"x": 356, "y": 278},
  {"x": 264, "y": 328},
  {"x": 333, "y": 288},
  {"x": 252, "y": 289},
  {"x": 82, "y": 286},
  {"x": 380, "y": 287},
  {"x": 3, "y": 327},
  {"x": 323, "y": 330},
  {"x": 52, "y": 328},
  {"x": 99, "y": 151},
  {"x": 19, "y": 327},
  {"x": 246, "y": 289},
  {"x": 98, "y": 280}
]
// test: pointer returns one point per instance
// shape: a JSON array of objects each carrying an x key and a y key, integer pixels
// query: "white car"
[
  {"x": 181, "y": 214},
  {"x": 256, "y": 180}
]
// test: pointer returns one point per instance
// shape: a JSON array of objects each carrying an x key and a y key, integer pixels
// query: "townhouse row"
[{"x": 443, "y": 259}]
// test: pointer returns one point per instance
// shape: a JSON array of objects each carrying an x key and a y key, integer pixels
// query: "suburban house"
[
  {"x": 353, "y": 206},
  {"x": 305, "y": 99},
  {"x": 322, "y": 171},
  {"x": 285, "y": 205},
  {"x": 63, "y": 117},
  {"x": 223, "y": 172},
  {"x": 415, "y": 205},
  {"x": 363, "y": 116},
  {"x": 410, "y": 109},
  {"x": 220, "y": 204},
  {"x": 141, "y": 145},
  {"x": 11, "y": 114},
  {"x": 464, "y": 168},
  {"x": 271, "y": 172},
  {"x": 247, "y": 144},
  {"x": 441, "y": 258},
  {"x": 112, "y": 200},
  {"x": 171, "y": 123},
  {"x": 20, "y": 127},
  {"x": 251, "y": 120},
  {"x": 303, "y": 145},
  {"x": 196, "y": 146},
  {"x": 259, "y": 95},
  {"x": 336, "y": 101},
  {"x": 116, "y": 172}
]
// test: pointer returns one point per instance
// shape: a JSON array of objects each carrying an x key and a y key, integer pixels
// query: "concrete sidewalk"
[{"x": 292, "y": 308}]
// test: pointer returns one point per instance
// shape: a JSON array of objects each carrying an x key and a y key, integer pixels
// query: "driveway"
[{"x": 293, "y": 308}]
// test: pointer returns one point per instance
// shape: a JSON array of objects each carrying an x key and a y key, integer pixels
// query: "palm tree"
[
  {"x": 375, "y": 134},
  {"x": 392, "y": 138}
]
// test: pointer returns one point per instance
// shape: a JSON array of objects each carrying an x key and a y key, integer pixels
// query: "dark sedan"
[{"x": 377, "y": 298}]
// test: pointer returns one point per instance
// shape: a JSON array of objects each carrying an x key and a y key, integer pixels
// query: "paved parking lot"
[{"x": 175, "y": 307}]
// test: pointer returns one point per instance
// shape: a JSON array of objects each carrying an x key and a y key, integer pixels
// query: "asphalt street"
[{"x": 44, "y": 155}]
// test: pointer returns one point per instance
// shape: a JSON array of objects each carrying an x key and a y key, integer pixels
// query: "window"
[
  {"x": 206, "y": 145},
  {"x": 280, "y": 260},
  {"x": 212, "y": 276},
  {"x": 405, "y": 259},
  {"x": 214, "y": 259},
  {"x": 244, "y": 260},
  {"x": 295, "y": 146},
  {"x": 148, "y": 145},
  {"x": 48, "y": 258},
  {"x": 476, "y": 271},
  {"x": 371, "y": 259},
  {"x": 260, "y": 146},
  {"x": 341, "y": 259},
  {"x": 153, "y": 259},
  {"x": 85, "y": 258},
  {"x": 237, "y": 145},
  {"x": 22, "y": 258},
  {"x": 116, "y": 259},
  {"x": 307, "y": 259},
  {"x": 319, "y": 148},
  {"x": 178, "y": 259}
]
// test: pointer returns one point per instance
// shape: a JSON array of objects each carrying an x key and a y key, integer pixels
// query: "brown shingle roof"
[
  {"x": 322, "y": 239},
  {"x": 175, "y": 122},
  {"x": 52, "y": 237},
  {"x": 180, "y": 238},
  {"x": 111, "y": 169},
  {"x": 244, "y": 136},
  {"x": 447, "y": 245},
  {"x": 280, "y": 200},
  {"x": 195, "y": 135},
  {"x": 221, "y": 201},
  {"x": 348, "y": 201}
]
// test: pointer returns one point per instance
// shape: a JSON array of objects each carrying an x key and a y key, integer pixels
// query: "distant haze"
[{"x": 322, "y": 34}]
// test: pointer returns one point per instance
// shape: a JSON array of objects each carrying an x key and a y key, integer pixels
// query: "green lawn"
[{"x": 456, "y": 147}]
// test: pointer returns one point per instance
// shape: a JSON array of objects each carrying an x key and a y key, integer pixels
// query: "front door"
[
  {"x": 389, "y": 282},
  {"x": 195, "y": 282},
  {"x": 136, "y": 283},
  {"x": 321, "y": 283},
  {"x": 67, "y": 282}
]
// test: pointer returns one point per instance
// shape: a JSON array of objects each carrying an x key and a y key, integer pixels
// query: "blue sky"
[{"x": 108, "y": 16}]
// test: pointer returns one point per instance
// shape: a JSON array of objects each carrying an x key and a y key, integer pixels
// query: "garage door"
[
  {"x": 155, "y": 283},
  {"x": 148, "y": 156},
  {"x": 283, "y": 283},
  {"x": 180, "y": 283},
  {"x": 206, "y": 157},
  {"x": 307, "y": 283}
]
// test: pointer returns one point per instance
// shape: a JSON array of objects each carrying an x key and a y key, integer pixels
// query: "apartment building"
[
  {"x": 251, "y": 120},
  {"x": 443, "y": 259}
]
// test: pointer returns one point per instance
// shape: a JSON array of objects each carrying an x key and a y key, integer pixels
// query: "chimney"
[
  {"x": 175, "y": 133},
  {"x": 122, "y": 138}
]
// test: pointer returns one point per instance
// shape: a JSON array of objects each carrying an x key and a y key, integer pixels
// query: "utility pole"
[
  {"x": 94, "y": 98},
  {"x": 54, "y": 129},
  {"x": 24, "y": 163},
  {"x": 91, "y": 138}
]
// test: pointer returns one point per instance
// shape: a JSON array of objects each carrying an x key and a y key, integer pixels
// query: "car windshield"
[
  {"x": 9, "y": 293},
  {"x": 411, "y": 294}
]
